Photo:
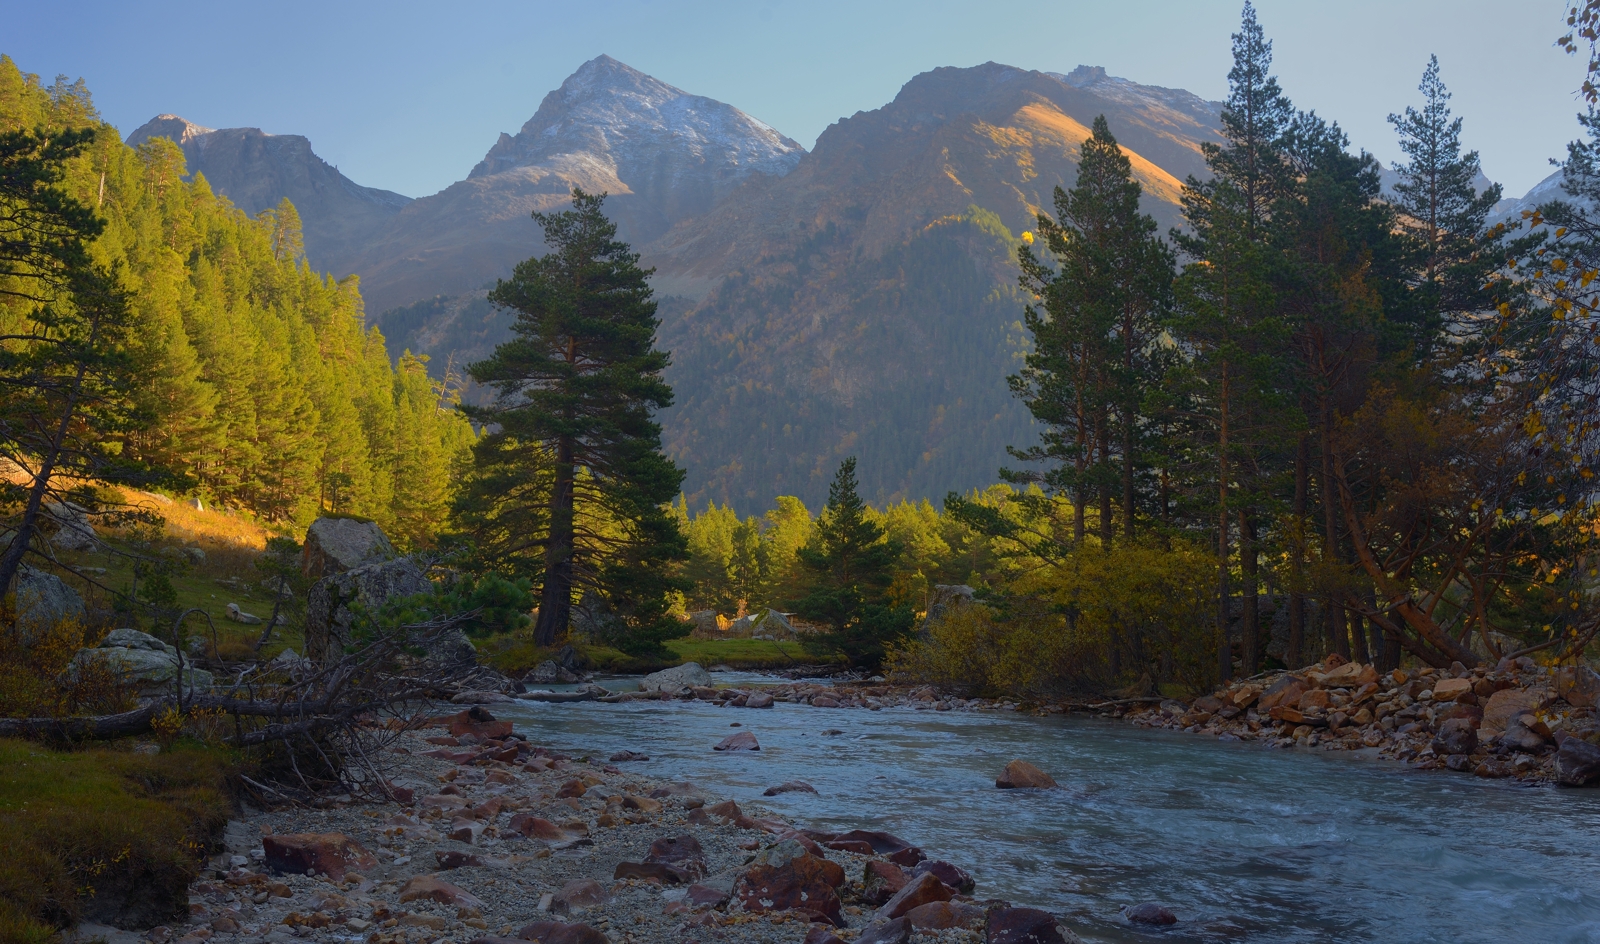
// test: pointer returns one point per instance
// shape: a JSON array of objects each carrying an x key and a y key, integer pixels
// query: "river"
[{"x": 1241, "y": 842}]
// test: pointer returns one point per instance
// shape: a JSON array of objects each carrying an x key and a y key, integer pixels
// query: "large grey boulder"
[
  {"x": 74, "y": 530},
  {"x": 43, "y": 600},
  {"x": 144, "y": 660},
  {"x": 336, "y": 545},
  {"x": 688, "y": 675},
  {"x": 331, "y": 620}
]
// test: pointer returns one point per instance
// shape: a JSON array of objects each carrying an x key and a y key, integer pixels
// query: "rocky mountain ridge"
[{"x": 256, "y": 170}]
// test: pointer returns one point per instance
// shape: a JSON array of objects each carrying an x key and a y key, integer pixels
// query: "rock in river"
[
  {"x": 1150, "y": 913},
  {"x": 1456, "y": 736},
  {"x": 1577, "y": 762},
  {"x": 1025, "y": 926},
  {"x": 677, "y": 678},
  {"x": 743, "y": 741},
  {"x": 1021, "y": 775}
]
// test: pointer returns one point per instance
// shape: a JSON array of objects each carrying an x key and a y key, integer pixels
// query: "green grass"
[
  {"x": 743, "y": 653},
  {"x": 103, "y": 833}
]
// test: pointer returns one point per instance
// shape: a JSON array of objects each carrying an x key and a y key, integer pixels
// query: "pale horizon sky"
[{"x": 408, "y": 96}]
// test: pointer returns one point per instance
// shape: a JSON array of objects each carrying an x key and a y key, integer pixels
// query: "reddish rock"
[
  {"x": 704, "y": 896},
  {"x": 1502, "y": 707},
  {"x": 1451, "y": 688},
  {"x": 880, "y": 880},
  {"x": 676, "y": 849},
  {"x": 1316, "y": 699},
  {"x": 743, "y": 741},
  {"x": 850, "y": 845},
  {"x": 431, "y": 888},
  {"x": 805, "y": 841},
  {"x": 942, "y": 915},
  {"x": 891, "y": 847},
  {"x": 1022, "y": 926},
  {"x": 1285, "y": 691},
  {"x": 793, "y": 786},
  {"x": 330, "y": 853},
  {"x": 918, "y": 890},
  {"x": 1021, "y": 775},
  {"x": 800, "y": 885},
  {"x": 1149, "y": 913},
  {"x": 572, "y": 788},
  {"x": 478, "y": 723},
  {"x": 655, "y": 872},
  {"x": 956, "y": 878},
  {"x": 402, "y": 795},
  {"x": 824, "y": 701},
  {"x": 534, "y": 827},
  {"x": 1579, "y": 685}
]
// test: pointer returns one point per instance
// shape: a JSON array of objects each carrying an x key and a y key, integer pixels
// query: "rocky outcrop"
[
  {"x": 677, "y": 678},
  {"x": 335, "y": 545},
  {"x": 143, "y": 660},
  {"x": 42, "y": 601},
  {"x": 74, "y": 531}
]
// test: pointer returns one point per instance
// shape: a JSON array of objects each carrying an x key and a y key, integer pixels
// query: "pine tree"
[
  {"x": 1093, "y": 352},
  {"x": 1438, "y": 202},
  {"x": 576, "y": 389},
  {"x": 851, "y": 566}
]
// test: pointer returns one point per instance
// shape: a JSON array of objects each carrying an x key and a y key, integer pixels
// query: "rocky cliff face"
[
  {"x": 866, "y": 303},
  {"x": 662, "y": 154},
  {"x": 255, "y": 170}
]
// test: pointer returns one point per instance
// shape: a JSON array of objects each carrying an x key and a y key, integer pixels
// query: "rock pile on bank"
[{"x": 1517, "y": 719}]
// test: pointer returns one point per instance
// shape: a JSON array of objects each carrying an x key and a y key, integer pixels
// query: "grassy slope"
[
  {"x": 516, "y": 653},
  {"x": 103, "y": 833}
]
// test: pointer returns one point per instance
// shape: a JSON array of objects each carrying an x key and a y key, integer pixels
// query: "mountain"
[
  {"x": 866, "y": 303},
  {"x": 255, "y": 170},
  {"x": 662, "y": 154}
]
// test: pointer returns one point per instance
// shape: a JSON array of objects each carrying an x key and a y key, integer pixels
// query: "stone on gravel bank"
[
  {"x": 743, "y": 741},
  {"x": 331, "y": 854}
]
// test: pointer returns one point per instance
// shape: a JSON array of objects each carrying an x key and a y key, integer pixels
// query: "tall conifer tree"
[{"x": 577, "y": 389}]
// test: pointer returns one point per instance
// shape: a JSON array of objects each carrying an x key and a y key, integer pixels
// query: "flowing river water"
[{"x": 1241, "y": 842}]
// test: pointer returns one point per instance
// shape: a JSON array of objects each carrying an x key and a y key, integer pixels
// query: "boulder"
[
  {"x": 42, "y": 601},
  {"x": 536, "y": 827},
  {"x": 918, "y": 890},
  {"x": 880, "y": 880},
  {"x": 681, "y": 851},
  {"x": 759, "y": 700},
  {"x": 330, "y": 618},
  {"x": 942, "y": 915},
  {"x": 889, "y": 846},
  {"x": 1579, "y": 685},
  {"x": 240, "y": 616},
  {"x": 1456, "y": 736},
  {"x": 1025, "y": 926},
  {"x": 432, "y": 888},
  {"x": 706, "y": 896},
  {"x": 1350, "y": 675},
  {"x": 957, "y": 878},
  {"x": 1502, "y": 707},
  {"x": 334, "y": 545},
  {"x": 1151, "y": 913},
  {"x": 677, "y": 678},
  {"x": 773, "y": 625},
  {"x": 799, "y": 885},
  {"x": 143, "y": 660},
  {"x": 1451, "y": 688},
  {"x": 74, "y": 531},
  {"x": 1021, "y": 775},
  {"x": 1286, "y": 691},
  {"x": 549, "y": 672},
  {"x": 743, "y": 741},
  {"x": 1577, "y": 762},
  {"x": 332, "y": 854}
]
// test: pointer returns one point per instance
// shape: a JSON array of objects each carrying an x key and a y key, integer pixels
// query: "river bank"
[
  {"x": 492, "y": 837},
  {"x": 1511, "y": 721}
]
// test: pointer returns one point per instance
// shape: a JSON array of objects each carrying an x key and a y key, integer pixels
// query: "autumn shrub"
[
  {"x": 1091, "y": 622},
  {"x": 38, "y": 679},
  {"x": 103, "y": 834}
]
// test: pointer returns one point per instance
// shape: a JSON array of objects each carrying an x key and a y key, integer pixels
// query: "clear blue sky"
[{"x": 408, "y": 95}]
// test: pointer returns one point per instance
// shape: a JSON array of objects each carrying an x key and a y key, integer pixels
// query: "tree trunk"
[
  {"x": 1250, "y": 623},
  {"x": 1106, "y": 523},
  {"x": 555, "y": 601},
  {"x": 1294, "y": 653},
  {"x": 1224, "y": 653},
  {"x": 1332, "y": 617}
]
